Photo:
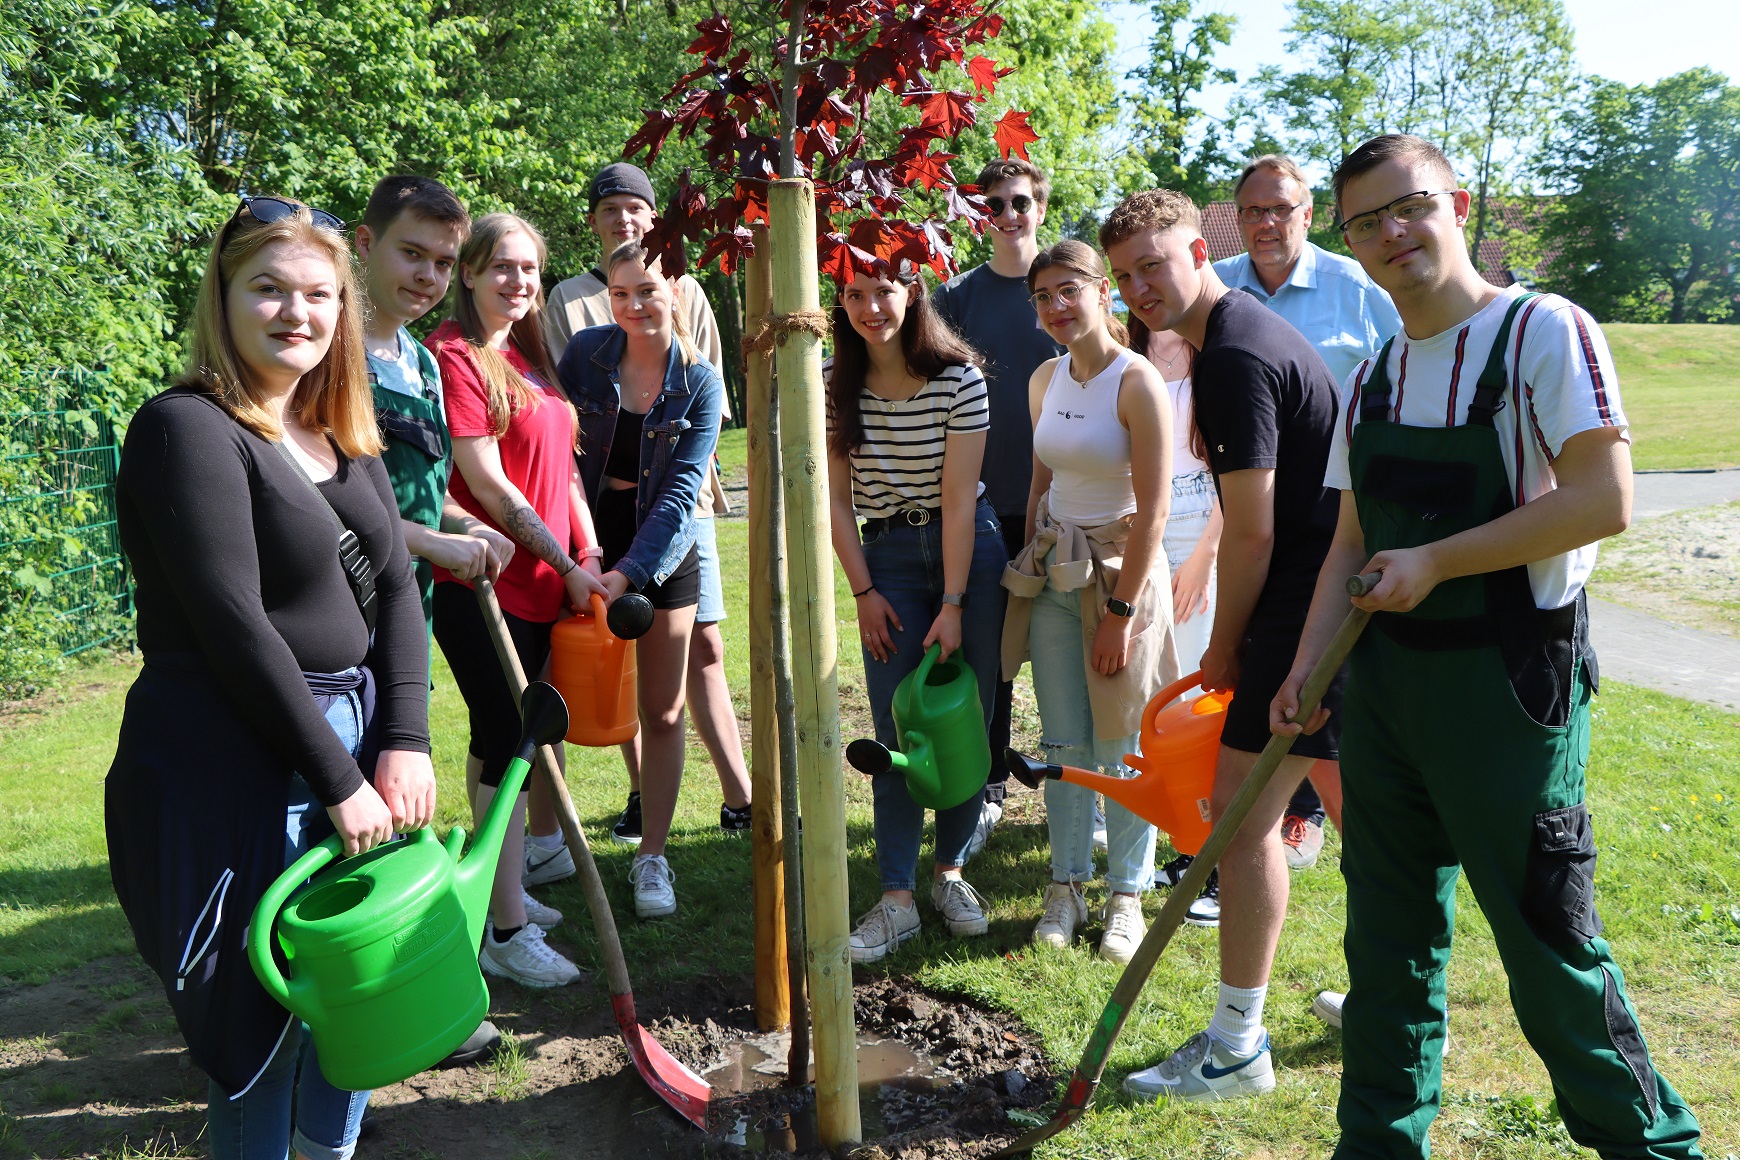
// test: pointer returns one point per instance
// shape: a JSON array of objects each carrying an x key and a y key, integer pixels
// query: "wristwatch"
[
  {"x": 1120, "y": 607},
  {"x": 958, "y": 599}
]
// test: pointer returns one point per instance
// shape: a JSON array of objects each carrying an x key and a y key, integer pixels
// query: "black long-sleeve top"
[{"x": 234, "y": 559}]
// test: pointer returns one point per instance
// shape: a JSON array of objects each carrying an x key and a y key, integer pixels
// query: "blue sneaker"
[{"x": 1203, "y": 1069}]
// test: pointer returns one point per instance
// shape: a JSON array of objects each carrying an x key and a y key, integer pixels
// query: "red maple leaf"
[
  {"x": 949, "y": 112},
  {"x": 715, "y": 39},
  {"x": 985, "y": 74},
  {"x": 1013, "y": 134},
  {"x": 927, "y": 169},
  {"x": 653, "y": 132}
]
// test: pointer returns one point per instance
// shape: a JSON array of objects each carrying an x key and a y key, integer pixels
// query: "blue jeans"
[
  {"x": 1067, "y": 736},
  {"x": 256, "y": 1124},
  {"x": 906, "y": 565}
]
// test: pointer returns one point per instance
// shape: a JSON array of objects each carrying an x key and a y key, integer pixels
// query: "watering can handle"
[
  {"x": 615, "y": 646},
  {"x": 922, "y": 673},
  {"x": 266, "y": 913},
  {"x": 1165, "y": 697}
]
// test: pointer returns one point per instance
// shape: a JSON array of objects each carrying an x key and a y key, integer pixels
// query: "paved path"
[
  {"x": 1641, "y": 649},
  {"x": 1658, "y": 493}
]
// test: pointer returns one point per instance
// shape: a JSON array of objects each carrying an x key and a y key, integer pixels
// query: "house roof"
[{"x": 1220, "y": 229}]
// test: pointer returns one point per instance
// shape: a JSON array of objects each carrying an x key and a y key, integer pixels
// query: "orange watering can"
[
  {"x": 1174, "y": 772},
  {"x": 592, "y": 665}
]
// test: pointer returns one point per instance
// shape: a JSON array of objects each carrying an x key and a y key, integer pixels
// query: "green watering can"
[
  {"x": 942, "y": 725},
  {"x": 382, "y": 947}
]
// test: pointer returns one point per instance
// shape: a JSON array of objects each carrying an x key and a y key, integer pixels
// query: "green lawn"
[
  {"x": 1680, "y": 386},
  {"x": 1664, "y": 775}
]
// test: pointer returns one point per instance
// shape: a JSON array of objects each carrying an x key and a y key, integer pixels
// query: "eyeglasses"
[
  {"x": 267, "y": 210},
  {"x": 1064, "y": 296},
  {"x": 1254, "y": 214},
  {"x": 1410, "y": 207},
  {"x": 1020, "y": 203}
]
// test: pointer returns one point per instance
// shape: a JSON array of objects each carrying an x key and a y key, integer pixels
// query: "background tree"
[
  {"x": 1648, "y": 226},
  {"x": 1182, "y": 145}
]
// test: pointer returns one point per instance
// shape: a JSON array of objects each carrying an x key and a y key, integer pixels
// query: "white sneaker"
[
  {"x": 1099, "y": 826},
  {"x": 960, "y": 906},
  {"x": 1205, "y": 908},
  {"x": 883, "y": 929},
  {"x": 1327, "y": 1006},
  {"x": 525, "y": 958},
  {"x": 545, "y": 916},
  {"x": 544, "y": 866},
  {"x": 1204, "y": 1070},
  {"x": 1301, "y": 841},
  {"x": 1124, "y": 928},
  {"x": 990, "y": 813},
  {"x": 1064, "y": 911},
  {"x": 652, "y": 879}
]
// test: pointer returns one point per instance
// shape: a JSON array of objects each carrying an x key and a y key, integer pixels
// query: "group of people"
[{"x": 1015, "y": 476}]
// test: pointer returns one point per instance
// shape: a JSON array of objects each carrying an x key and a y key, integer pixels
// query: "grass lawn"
[
  {"x": 1679, "y": 385},
  {"x": 1663, "y": 779}
]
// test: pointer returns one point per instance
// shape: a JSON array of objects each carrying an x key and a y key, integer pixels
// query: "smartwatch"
[
  {"x": 1120, "y": 607},
  {"x": 958, "y": 599}
]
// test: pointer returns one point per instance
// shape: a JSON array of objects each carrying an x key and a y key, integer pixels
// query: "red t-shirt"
[{"x": 537, "y": 453}]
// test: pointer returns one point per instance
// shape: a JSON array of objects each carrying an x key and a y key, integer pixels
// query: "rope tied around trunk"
[{"x": 778, "y": 327}]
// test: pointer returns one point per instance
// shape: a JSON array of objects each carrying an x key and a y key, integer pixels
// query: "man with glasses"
[
  {"x": 988, "y": 307},
  {"x": 1480, "y": 456},
  {"x": 1339, "y": 310},
  {"x": 1265, "y": 406}
]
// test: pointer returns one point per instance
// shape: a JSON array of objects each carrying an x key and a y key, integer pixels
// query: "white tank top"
[{"x": 1079, "y": 437}]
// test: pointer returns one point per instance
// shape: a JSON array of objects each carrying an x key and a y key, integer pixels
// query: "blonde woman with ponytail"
[
  {"x": 513, "y": 444},
  {"x": 649, "y": 421}
]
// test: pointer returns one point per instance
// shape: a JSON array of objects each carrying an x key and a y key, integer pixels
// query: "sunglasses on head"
[
  {"x": 1020, "y": 203},
  {"x": 267, "y": 210}
]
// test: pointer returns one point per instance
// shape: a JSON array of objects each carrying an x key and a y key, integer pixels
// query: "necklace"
[
  {"x": 1166, "y": 364},
  {"x": 1083, "y": 383}
]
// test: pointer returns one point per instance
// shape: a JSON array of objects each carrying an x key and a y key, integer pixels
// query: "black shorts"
[
  {"x": 616, "y": 528},
  {"x": 470, "y": 652},
  {"x": 1270, "y": 644}
]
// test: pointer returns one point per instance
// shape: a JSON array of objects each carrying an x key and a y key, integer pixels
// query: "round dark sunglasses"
[
  {"x": 1020, "y": 203},
  {"x": 275, "y": 209}
]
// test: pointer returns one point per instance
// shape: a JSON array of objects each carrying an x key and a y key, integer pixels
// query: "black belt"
[{"x": 914, "y": 517}]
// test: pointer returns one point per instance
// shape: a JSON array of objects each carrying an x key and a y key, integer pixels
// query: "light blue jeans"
[
  {"x": 256, "y": 1124},
  {"x": 1192, "y": 502},
  {"x": 1067, "y": 737}
]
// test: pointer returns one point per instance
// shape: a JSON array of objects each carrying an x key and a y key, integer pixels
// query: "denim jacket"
[{"x": 682, "y": 429}]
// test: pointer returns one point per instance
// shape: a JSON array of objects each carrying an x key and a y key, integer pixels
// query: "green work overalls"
[
  {"x": 1465, "y": 733},
  {"x": 418, "y": 456}
]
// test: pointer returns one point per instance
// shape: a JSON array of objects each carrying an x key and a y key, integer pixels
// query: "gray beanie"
[{"x": 621, "y": 178}]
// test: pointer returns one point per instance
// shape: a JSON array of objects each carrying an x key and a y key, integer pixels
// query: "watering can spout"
[{"x": 543, "y": 721}]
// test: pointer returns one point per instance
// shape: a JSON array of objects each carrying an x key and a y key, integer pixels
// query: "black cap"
[{"x": 621, "y": 178}]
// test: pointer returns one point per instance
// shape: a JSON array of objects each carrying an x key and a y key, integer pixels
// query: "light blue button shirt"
[{"x": 1328, "y": 299}]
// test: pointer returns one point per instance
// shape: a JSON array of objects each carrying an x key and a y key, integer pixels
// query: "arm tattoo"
[{"x": 523, "y": 524}]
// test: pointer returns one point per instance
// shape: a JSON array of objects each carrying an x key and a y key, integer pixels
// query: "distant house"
[{"x": 1220, "y": 229}]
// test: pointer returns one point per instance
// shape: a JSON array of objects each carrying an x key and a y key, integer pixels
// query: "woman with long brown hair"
[
  {"x": 284, "y": 692},
  {"x": 1090, "y": 593},
  {"x": 513, "y": 444},
  {"x": 907, "y": 417}
]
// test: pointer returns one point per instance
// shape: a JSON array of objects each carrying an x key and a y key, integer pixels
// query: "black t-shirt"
[
  {"x": 235, "y": 561},
  {"x": 993, "y": 314},
  {"x": 1265, "y": 400}
]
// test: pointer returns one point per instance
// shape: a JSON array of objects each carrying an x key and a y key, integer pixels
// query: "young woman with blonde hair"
[
  {"x": 513, "y": 444},
  {"x": 284, "y": 692},
  {"x": 649, "y": 421},
  {"x": 1090, "y": 594}
]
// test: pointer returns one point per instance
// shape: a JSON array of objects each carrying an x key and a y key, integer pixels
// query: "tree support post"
[
  {"x": 766, "y": 573},
  {"x": 815, "y": 677}
]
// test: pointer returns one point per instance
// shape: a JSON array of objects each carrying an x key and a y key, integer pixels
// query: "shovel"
[
  {"x": 1111, "y": 1022},
  {"x": 669, "y": 1079}
]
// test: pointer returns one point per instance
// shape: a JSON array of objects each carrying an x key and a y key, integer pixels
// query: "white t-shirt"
[
  {"x": 1184, "y": 459},
  {"x": 404, "y": 374},
  {"x": 900, "y": 463},
  {"x": 1560, "y": 382}
]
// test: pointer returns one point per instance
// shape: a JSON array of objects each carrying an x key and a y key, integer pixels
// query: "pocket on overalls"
[{"x": 1558, "y": 898}]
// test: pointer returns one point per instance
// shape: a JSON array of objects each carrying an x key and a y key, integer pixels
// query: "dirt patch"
[
  {"x": 1683, "y": 567},
  {"x": 91, "y": 1064}
]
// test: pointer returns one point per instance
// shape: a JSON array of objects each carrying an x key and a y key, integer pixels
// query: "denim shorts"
[{"x": 711, "y": 610}]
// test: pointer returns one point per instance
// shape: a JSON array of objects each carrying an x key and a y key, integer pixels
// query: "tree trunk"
[
  {"x": 815, "y": 676},
  {"x": 766, "y": 584}
]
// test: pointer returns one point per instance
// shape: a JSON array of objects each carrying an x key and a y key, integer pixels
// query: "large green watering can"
[
  {"x": 382, "y": 948},
  {"x": 945, "y": 756}
]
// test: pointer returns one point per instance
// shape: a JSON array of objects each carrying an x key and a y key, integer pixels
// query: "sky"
[{"x": 1613, "y": 39}]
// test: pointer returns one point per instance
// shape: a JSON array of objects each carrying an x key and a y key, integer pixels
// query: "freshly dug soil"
[{"x": 90, "y": 1062}]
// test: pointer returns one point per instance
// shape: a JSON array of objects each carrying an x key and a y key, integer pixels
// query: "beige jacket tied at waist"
[{"x": 1089, "y": 561}]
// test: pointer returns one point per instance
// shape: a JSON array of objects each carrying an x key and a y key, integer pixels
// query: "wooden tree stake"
[
  {"x": 815, "y": 678},
  {"x": 772, "y": 977}
]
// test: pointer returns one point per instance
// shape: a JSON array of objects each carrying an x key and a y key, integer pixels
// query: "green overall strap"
[{"x": 1488, "y": 398}]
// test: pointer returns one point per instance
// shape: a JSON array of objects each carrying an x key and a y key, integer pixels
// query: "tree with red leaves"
[{"x": 765, "y": 111}]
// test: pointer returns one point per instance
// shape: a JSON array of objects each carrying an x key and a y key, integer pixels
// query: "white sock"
[
  {"x": 1238, "y": 1019},
  {"x": 547, "y": 841}
]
